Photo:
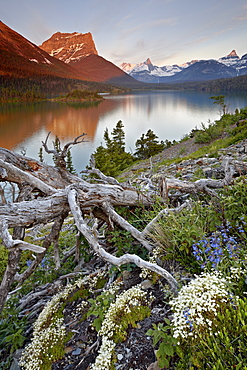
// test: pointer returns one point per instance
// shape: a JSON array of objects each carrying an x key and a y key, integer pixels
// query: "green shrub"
[
  {"x": 175, "y": 234},
  {"x": 3, "y": 260},
  {"x": 12, "y": 329},
  {"x": 221, "y": 348}
]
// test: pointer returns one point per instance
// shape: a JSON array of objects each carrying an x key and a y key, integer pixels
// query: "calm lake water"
[{"x": 170, "y": 114}]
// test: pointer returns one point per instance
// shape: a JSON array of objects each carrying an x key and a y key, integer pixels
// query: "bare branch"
[
  {"x": 163, "y": 212},
  {"x": 49, "y": 239},
  {"x": 117, "y": 261},
  {"x": 96, "y": 171},
  {"x": 75, "y": 142},
  {"x": 104, "y": 178},
  {"x": 10, "y": 243},
  {"x": 49, "y": 151},
  {"x": 125, "y": 225},
  {"x": 61, "y": 155},
  {"x": 2, "y": 195}
]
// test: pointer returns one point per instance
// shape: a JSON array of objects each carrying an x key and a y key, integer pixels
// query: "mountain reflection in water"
[{"x": 170, "y": 114}]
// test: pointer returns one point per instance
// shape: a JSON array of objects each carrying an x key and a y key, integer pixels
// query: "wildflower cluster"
[
  {"x": 51, "y": 308},
  {"x": 219, "y": 245},
  {"x": 40, "y": 352},
  {"x": 94, "y": 281},
  {"x": 196, "y": 305},
  {"x": 129, "y": 307},
  {"x": 49, "y": 333},
  {"x": 114, "y": 288}
]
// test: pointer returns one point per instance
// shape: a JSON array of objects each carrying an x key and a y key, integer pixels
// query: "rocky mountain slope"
[
  {"x": 21, "y": 58},
  {"x": 69, "y": 47},
  {"x": 71, "y": 56},
  {"x": 79, "y": 51}
]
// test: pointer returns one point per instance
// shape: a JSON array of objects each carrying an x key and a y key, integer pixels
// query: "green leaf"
[
  {"x": 166, "y": 348},
  {"x": 97, "y": 323},
  {"x": 167, "y": 321}
]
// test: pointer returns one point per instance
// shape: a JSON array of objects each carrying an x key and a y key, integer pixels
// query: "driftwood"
[{"x": 49, "y": 193}]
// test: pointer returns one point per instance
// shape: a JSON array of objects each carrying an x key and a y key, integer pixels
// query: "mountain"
[
  {"x": 241, "y": 65},
  {"x": 201, "y": 71},
  {"x": 197, "y": 70},
  {"x": 127, "y": 67},
  {"x": 147, "y": 72},
  {"x": 21, "y": 58},
  {"x": 230, "y": 60},
  {"x": 78, "y": 51},
  {"x": 71, "y": 56},
  {"x": 70, "y": 47}
]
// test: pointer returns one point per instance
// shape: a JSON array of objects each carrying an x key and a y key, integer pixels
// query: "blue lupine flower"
[{"x": 218, "y": 245}]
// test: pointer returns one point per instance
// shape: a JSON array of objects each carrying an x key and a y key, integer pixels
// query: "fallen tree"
[{"x": 47, "y": 194}]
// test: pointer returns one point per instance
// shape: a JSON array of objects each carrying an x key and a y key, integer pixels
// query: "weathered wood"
[
  {"x": 49, "y": 175},
  {"x": 119, "y": 220},
  {"x": 52, "y": 237},
  {"x": 91, "y": 237},
  {"x": 51, "y": 192},
  {"x": 10, "y": 243}
]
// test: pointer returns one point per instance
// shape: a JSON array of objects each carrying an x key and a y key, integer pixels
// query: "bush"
[{"x": 3, "y": 260}]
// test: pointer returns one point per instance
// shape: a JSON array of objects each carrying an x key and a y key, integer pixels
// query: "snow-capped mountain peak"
[
  {"x": 127, "y": 67},
  {"x": 147, "y": 72},
  {"x": 230, "y": 60}
]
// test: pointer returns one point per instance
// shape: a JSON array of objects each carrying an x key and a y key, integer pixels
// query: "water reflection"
[
  {"x": 19, "y": 122},
  {"x": 170, "y": 114}
]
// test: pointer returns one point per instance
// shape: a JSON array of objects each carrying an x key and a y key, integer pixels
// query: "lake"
[{"x": 170, "y": 114}]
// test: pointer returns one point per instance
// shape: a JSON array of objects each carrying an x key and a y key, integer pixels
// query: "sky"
[{"x": 166, "y": 31}]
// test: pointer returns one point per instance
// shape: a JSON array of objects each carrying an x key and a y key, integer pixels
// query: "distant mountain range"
[
  {"x": 74, "y": 56},
  {"x": 196, "y": 70}
]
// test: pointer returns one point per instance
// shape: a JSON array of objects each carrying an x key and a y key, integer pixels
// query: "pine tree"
[
  {"x": 113, "y": 159},
  {"x": 220, "y": 100},
  {"x": 69, "y": 163},
  {"x": 118, "y": 137},
  {"x": 148, "y": 145}
]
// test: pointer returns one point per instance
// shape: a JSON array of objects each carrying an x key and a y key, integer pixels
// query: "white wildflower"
[{"x": 197, "y": 302}]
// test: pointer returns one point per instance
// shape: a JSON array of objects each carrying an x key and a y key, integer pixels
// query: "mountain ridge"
[
  {"x": 230, "y": 65},
  {"x": 20, "y": 58},
  {"x": 79, "y": 51},
  {"x": 74, "y": 56}
]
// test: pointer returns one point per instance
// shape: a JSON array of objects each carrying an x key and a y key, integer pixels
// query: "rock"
[
  {"x": 16, "y": 357},
  {"x": 145, "y": 284},
  {"x": 76, "y": 352},
  {"x": 154, "y": 366},
  {"x": 15, "y": 365},
  {"x": 70, "y": 46}
]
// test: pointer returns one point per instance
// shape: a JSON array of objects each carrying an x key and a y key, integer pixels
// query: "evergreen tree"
[
  {"x": 220, "y": 100},
  {"x": 41, "y": 158},
  {"x": 118, "y": 137},
  {"x": 107, "y": 139},
  {"x": 69, "y": 163},
  {"x": 113, "y": 159},
  {"x": 148, "y": 145}
]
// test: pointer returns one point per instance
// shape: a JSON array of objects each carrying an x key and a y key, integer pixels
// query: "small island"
[{"x": 79, "y": 96}]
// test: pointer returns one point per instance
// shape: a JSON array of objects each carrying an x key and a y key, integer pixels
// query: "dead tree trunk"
[{"x": 53, "y": 192}]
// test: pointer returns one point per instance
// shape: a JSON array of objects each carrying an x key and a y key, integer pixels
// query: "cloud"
[
  {"x": 150, "y": 24},
  {"x": 240, "y": 18},
  {"x": 121, "y": 22}
]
